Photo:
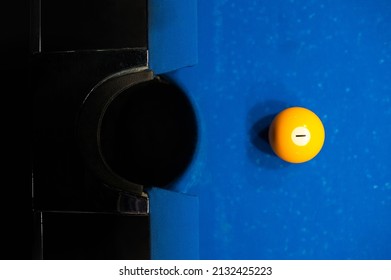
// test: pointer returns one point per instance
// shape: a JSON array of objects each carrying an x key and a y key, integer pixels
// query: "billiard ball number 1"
[{"x": 296, "y": 135}]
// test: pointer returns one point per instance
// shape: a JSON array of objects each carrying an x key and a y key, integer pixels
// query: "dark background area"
[
  {"x": 67, "y": 67},
  {"x": 15, "y": 132}
]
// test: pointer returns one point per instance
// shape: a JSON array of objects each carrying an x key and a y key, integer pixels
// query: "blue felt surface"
[
  {"x": 256, "y": 58},
  {"x": 174, "y": 225},
  {"x": 172, "y": 34}
]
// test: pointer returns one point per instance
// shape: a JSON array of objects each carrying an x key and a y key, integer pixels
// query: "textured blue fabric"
[
  {"x": 174, "y": 225},
  {"x": 172, "y": 34},
  {"x": 256, "y": 58}
]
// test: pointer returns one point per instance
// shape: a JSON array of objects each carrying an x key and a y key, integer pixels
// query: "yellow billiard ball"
[{"x": 296, "y": 135}]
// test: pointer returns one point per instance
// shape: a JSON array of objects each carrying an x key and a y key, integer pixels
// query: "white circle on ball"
[{"x": 301, "y": 136}]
